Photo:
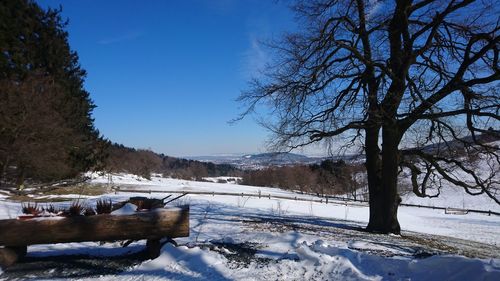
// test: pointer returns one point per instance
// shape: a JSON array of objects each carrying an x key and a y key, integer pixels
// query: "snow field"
[
  {"x": 410, "y": 218},
  {"x": 290, "y": 240}
]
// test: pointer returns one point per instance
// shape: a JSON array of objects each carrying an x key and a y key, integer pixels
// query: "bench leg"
[
  {"x": 10, "y": 255},
  {"x": 153, "y": 247}
]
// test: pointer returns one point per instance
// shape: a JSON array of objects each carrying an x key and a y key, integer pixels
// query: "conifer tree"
[{"x": 42, "y": 82}]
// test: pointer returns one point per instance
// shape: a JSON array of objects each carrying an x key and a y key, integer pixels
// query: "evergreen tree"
[{"x": 47, "y": 130}]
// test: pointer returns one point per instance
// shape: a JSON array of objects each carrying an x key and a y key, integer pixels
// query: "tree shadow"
[
  {"x": 52, "y": 265},
  {"x": 226, "y": 213}
]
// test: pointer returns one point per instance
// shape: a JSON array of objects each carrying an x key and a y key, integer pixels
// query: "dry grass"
[
  {"x": 104, "y": 206},
  {"x": 51, "y": 209},
  {"x": 77, "y": 208},
  {"x": 24, "y": 198},
  {"x": 31, "y": 208},
  {"x": 83, "y": 189}
]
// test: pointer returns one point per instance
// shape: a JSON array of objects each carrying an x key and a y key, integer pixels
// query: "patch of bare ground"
[
  {"x": 238, "y": 254},
  {"x": 51, "y": 194}
]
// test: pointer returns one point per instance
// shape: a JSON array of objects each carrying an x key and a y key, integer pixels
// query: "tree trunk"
[
  {"x": 382, "y": 181},
  {"x": 5, "y": 166},
  {"x": 20, "y": 177},
  {"x": 373, "y": 167}
]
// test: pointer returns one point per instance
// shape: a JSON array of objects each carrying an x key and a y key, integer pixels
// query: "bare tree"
[{"x": 386, "y": 73}]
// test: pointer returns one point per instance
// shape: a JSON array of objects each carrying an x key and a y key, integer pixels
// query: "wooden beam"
[{"x": 152, "y": 225}]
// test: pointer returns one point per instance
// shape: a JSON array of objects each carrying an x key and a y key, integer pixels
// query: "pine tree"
[{"x": 47, "y": 130}]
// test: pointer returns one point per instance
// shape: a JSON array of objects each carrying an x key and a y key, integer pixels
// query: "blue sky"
[{"x": 165, "y": 74}]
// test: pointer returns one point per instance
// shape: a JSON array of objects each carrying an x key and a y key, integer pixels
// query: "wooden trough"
[{"x": 153, "y": 225}]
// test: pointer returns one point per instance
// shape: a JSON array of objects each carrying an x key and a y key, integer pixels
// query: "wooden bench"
[{"x": 153, "y": 225}]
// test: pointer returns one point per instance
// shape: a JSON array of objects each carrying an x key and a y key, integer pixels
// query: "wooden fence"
[{"x": 323, "y": 199}]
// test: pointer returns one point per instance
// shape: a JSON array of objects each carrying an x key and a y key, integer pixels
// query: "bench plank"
[{"x": 155, "y": 224}]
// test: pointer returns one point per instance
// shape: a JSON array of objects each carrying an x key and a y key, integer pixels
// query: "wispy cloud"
[
  {"x": 255, "y": 58},
  {"x": 131, "y": 35}
]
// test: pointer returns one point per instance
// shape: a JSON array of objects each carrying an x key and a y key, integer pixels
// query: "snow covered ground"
[
  {"x": 454, "y": 197},
  {"x": 242, "y": 238}
]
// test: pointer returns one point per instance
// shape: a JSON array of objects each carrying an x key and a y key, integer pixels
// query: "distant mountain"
[
  {"x": 278, "y": 157},
  {"x": 261, "y": 160},
  {"x": 457, "y": 145}
]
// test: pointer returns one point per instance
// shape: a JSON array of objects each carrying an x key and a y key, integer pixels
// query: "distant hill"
[
  {"x": 261, "y": 160},
  {"x": 278, "y": 157},
  {"x": 458, "y": 145},
  {"x": 144, "y": 162}
]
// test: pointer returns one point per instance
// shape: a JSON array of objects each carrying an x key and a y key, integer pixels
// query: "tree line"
[
  {"x": 327, "y": 178},
  {"x": 144, "y": 162}
]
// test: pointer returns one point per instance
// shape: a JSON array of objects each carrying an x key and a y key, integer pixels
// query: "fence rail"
[
  {"x": 324, "y": 199},
  {"x": 241, "y": 194},
  {"x": 449, "y": 209}
]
